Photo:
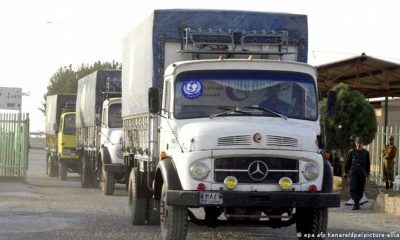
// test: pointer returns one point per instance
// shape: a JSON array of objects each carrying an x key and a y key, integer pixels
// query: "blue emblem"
[{"x": 192, "y": 89}]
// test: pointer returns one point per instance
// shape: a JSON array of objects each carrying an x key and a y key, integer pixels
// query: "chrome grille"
[
  {"x": 281, "y": 141},
  {"x": 238, "y": 167},
  {"x": 234, "y": 140}
]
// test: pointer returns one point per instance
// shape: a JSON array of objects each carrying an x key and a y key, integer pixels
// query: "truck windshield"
[
  {"x": 69, "y": 124},
  {"x": 114, "y": 116},
  {"x": 205, "y": 93}
]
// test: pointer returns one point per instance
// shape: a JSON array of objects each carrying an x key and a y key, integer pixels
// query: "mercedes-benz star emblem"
[{"x": 258, "y": 170}]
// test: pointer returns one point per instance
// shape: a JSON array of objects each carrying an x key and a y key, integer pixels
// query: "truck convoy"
[
  {"x": 60, "y": 136},
  {"x": 220, "y": 112},
  {"x": 99, "y": 130}
]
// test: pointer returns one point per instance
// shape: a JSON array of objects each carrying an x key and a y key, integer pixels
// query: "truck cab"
[
  {"x": 241, "y": 138},
  {"x": 111, "y": 145},
  {"x": 239, "y": 113},
  {"x": 66, "y": 145}
]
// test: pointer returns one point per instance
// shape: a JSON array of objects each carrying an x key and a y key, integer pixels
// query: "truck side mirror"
[
  {"x": 154, "y": 100},
  {"x": 332, "y": 97}
]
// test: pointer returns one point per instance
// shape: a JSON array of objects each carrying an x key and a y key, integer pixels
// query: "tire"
[
  {"x": 52, "y": 166},
  {"x": 153, "y": 212},
  {"x": 174, "y": 219},
  {"x": 107, "y": 182},
  {"x": 62, "y": 170},
  {"x": 138, "y": 206},
  {"x": 311, "y": 222},
  {"x": 47, "y": 163},
  {"x": 327, "y": 182},
  {"x": 85, "y": 173}
]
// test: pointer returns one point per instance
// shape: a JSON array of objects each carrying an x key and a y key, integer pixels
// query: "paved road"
[{"x": 46, "y": 208}]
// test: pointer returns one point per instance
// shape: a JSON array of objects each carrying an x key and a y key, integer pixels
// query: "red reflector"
[
  {"x": 201, "y": 187},
  {"x": 312, "y": 189}
]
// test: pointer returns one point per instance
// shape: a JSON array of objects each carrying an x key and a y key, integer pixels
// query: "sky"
[{"x": 40, "y": 36}]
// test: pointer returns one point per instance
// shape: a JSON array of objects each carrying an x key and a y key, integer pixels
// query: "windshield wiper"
[
  {"x": 268, "y": 110},
  {"x": 229, "y": 111}
]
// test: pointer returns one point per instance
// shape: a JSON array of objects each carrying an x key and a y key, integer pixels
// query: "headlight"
[
  {"x": 230, "y": 182},
  {"x": 310, "y": 171},
  {"x": 199, "y": 171},
  {"x": 286, "y": 183}
]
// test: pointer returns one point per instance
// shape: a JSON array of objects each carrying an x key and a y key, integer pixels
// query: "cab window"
[
  {"x": 115, "y": 116},
  {"x": 69, "y": 124}
]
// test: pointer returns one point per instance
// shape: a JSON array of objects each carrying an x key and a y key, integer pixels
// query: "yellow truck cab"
[{"x": 66, "y": 143}]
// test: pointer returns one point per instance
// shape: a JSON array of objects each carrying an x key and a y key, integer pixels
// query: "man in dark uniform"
[{"x": 358, "y": 168}]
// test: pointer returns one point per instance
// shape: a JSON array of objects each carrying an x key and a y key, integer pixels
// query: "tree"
[
  {"x": 65, "y": 79},
  {"x": 354, "y": 116}
]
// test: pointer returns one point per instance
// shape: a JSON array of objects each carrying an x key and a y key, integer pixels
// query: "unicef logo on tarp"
[{"x": 192, "y": 89}]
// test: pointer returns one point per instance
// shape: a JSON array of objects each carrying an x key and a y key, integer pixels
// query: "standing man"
[
  {"x": 358, "y": 168},
  {"x": 388, "y": 164}
]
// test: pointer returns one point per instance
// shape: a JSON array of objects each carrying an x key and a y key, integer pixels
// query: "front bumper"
[{"x": 257, "y": 199}]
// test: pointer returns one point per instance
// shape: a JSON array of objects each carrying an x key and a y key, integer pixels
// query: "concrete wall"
[{"x": 385, "y": 203}]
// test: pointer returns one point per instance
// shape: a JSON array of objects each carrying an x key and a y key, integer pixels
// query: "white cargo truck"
[
  {"x": 99, "y": 130},
  {"x": 220, "y": 112}
]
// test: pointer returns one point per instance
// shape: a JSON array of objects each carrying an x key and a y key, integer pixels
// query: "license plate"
[{"x": 210, "y": 198}]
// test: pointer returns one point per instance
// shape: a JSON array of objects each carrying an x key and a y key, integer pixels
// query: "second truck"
[
  {"x": 99, "y": 130},
  {"x": 220, "y": 112}
]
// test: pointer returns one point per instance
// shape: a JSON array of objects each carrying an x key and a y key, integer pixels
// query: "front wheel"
[
  {"x": 138, "y": 206},
  {"x": 311, "y": 222},
  {"x": 62, "y": 170},
  {"x": 174, "y": 219},
  {"x": 47, "y": 163},
  {"x": 107, "y": 182}
]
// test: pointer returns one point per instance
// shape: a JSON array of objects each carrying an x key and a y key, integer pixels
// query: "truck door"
[
  {"x": 165, "y": 129},
  {"x": 104, "y": 126}
]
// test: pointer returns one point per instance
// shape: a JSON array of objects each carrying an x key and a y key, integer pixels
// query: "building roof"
[{"x": 371, "y": 76}]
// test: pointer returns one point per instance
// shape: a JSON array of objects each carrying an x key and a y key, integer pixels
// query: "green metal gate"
[{"x": 14, "y": 145}]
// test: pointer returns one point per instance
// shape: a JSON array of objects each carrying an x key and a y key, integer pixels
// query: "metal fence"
[
  {"x": 14, "y": 144},
  {"x": 375, "y": 149}
]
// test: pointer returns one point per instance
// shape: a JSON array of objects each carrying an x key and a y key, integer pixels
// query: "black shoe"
[
  {"x": 387, "y": 185},
  {"x": 356, "y": 206}
]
